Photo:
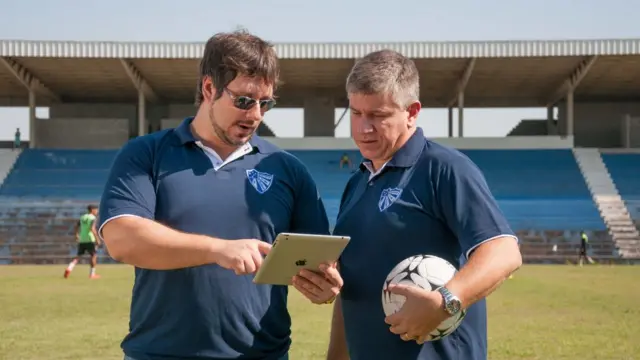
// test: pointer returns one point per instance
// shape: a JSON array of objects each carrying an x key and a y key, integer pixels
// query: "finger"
[
  {"x": 422, "y": 339},
  {"x": 263, "y": 247},
  {"x": 257, "y": 259},
  {"x": 395, "y": 319},
  {"x": 325, "y": 266},
  {"x": 239, "y": 267},
  {"x": 309, "y": 295},
  {"x": 333, "y": 275},
  {"x": 329, "y": 264},
  {"x": 249, "y": 265},
  {"x": 406, "y": 337},
  {"x": 315, "y": 280},
  {"x": 321, "y": 295},
  {"x": 400, "y": 289},
  {"x": 398, "y": 329},
  {"x": 309, "y": 286}
]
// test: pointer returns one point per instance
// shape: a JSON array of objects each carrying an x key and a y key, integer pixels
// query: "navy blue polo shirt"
[
  {"x": 208, "y": 312},
  {"x": 428, "y": 199}
]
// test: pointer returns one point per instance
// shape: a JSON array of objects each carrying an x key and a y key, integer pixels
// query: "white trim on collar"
[
  {"x": 373, "y": 173},
  {"x": 217, "y": 161}
]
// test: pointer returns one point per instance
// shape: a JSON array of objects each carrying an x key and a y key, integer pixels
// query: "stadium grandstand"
[{"x": 578, "y": 169}]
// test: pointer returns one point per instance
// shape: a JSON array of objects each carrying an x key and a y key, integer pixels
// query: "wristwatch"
[{"x": 452, "y": 304}]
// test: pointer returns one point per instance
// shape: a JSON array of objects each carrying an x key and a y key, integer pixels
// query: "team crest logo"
[
  {"x": 388, "y": 197},
  {"x": 259, "y": 180}
]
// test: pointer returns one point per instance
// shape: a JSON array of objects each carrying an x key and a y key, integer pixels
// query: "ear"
[
  {"x": 208, "y": 89},
  {"x": 413, "y": 110}
]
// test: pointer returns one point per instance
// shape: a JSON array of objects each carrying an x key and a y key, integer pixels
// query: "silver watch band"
[{"x": 451, "y": 302}]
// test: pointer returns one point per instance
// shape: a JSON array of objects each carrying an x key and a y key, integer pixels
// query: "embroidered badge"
[
  {"x": 259, "y": 180},
  {"x": 388, "y": 197}
]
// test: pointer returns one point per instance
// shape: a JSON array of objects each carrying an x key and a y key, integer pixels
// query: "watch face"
[
  {"x": 453, "y": 307},
  {"x": 451, "y": 303}
]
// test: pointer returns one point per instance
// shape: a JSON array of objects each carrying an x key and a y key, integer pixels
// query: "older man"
[
  {"x": 412, "y": 196},
  {"x": 195, "y": 208}
]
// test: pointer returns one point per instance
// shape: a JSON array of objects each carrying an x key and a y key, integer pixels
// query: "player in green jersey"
[{"x": 88, "y": 241}]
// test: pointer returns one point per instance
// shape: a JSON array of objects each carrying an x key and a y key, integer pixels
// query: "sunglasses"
[{"x": 245, "y": 103}]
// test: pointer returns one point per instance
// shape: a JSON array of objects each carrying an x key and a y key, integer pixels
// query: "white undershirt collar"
[
  {"x": 217, "y": 161},
  {"x": 372, "y": 172}
]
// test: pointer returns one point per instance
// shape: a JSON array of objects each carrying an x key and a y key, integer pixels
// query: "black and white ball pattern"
[{"x": 427, "y": 272}]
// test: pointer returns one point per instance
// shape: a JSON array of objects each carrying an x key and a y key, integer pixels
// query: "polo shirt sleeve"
[
  {"x": 309, "y": 214},
  {"x": 129, "y": 190},
  {"x": 467, "y": 205}
]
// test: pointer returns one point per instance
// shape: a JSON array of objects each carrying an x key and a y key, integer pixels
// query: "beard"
[{"x": 223, "y": 134}]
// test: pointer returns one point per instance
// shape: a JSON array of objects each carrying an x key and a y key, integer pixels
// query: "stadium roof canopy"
[{"x": 491, "y": 74}]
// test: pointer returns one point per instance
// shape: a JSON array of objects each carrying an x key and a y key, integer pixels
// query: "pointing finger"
[{"x": 263, "y": 247}]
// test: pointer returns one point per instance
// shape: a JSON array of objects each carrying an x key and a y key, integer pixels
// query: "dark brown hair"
[{"x": 227, "y": 55}]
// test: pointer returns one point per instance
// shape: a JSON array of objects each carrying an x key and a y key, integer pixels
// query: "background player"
[
  {"x": 88, "y": 241},
  {"x": 345, "y": 161},
  {"x": 584, "y": 243}
]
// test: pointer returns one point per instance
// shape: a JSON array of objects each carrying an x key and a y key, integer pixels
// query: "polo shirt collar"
[
  {"x": 183, "y": 131},
  {"x": 185, "y": 136},
  {"x": 408, "y": 154}
]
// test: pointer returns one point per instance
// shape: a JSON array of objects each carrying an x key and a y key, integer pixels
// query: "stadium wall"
[
  {"x": 156, "y": 114},
  {"x": 96, "y": 110},
  {"x": 319, "y": 116},
  {"x": 82, "y": 133},
  {"x": 512, "y": 142},
  {"x": 599, "y": 125},
  {"x": 534, "y": 127}
]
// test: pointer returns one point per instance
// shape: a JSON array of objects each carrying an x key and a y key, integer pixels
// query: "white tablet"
[{"x": 292, "y": 252}]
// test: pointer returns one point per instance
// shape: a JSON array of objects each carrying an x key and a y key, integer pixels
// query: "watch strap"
[{"x": 448, "y": 298}]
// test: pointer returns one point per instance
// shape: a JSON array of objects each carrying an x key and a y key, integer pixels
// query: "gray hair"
[{"x": 386, "y": 72}]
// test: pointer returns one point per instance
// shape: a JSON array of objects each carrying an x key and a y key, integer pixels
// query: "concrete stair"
[
  {"x": 612, "y": 208},
  {"x": 7, "y": 160}
]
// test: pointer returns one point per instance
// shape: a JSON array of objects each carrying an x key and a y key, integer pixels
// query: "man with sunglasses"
[{"x": 195, "y": 208}]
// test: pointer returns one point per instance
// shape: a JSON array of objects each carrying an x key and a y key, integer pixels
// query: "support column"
[
  {"x": 626, "y": 131},
  {"x": 32, "y": 119},
  {"x": 319, "y": 116},
  {"x": 458, "y": 97},
  {"x": 450, "y": 122},
  {"x": 142, "y": 114},
  {"x": 460, "y": 114},
  {"x": 550, "y": 127},
  {"x": 569, "y": 130}
]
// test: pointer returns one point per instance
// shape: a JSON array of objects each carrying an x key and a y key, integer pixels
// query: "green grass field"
[{"x": 544, "y": 312}]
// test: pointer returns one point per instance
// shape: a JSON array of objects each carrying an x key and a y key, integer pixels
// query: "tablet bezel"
[{"x": 288, "y": 249}]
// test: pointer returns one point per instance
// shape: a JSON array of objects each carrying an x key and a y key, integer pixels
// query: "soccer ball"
[{"x": 426, "y": 272}]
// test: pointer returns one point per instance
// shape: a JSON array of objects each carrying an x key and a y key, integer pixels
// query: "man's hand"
[
  {"x": 421, "y": 313},
  {"x": 319, "y": 287},
  {"x": 242, "y": 256}
]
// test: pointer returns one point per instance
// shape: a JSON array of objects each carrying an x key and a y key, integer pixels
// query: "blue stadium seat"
[
  {"x": 539, "y": 189},
  {"x": 536, "y": 189},
  {"x": 625, "y": 171},
  {"x": 58, "y": 174},
  {"x": 324, "y": 166}
]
